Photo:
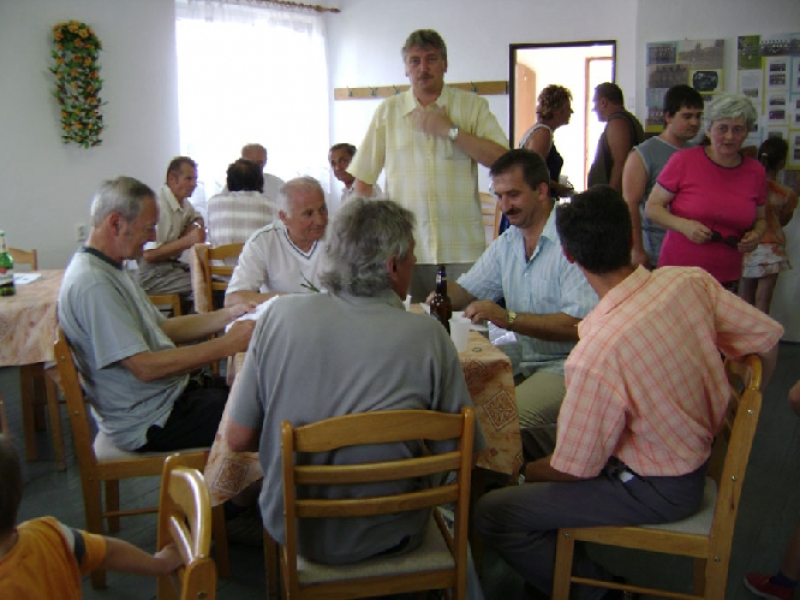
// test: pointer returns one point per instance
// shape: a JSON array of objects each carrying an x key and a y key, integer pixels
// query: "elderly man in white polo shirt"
[{"x": 285, "y": 256}]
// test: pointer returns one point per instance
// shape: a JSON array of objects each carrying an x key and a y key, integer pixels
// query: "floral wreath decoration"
[{"x": 78, "y": 83}]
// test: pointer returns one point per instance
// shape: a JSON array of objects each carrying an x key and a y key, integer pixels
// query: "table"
[
  {"x": 491, "y": 384},
  {"x": 28, "y": 321},
  {"x": 27, "y": 332}
]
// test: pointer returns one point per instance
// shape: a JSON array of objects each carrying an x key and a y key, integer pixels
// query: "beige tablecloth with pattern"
[
  {"x": 28, "y": 321},
  {"x": 491, "y": 385}
]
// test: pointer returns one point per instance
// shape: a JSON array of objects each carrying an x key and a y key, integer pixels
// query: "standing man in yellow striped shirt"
[{"x": 430, "y": 140}]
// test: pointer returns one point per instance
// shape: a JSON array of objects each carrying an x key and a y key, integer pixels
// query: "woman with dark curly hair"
[{"x": 553, "y": 110}]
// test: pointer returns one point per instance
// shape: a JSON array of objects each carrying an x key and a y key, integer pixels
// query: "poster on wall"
[
  {"x": 769, "y": 74},
  {"x": 697, "y": 63}
]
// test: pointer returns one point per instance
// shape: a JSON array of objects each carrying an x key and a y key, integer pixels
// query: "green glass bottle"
[{"x": 6, "y": 269}]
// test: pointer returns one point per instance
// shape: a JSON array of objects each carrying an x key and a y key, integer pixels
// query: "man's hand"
[
  {"x": 639, "y": 257},
  {"x": 433, "y": 122},
  {"x": 238, "y": 336},
  {"x": 194, "y": 235},
  {"x": 237, "y": 310},
  {"x": 486, "y": 309}
]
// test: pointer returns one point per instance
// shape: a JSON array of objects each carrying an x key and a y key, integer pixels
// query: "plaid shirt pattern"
[{"x": 646, "y": 384}]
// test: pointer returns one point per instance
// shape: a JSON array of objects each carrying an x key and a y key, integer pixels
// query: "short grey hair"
[
  {"x": 424, "y": 38},
  {"x": 247, "y": 148},
  {"x": 288, "y": 189},
  {"x": 730, "y": 106},
  {"x": 124, "y": 195},
  {"x": 365, "y": 235}
]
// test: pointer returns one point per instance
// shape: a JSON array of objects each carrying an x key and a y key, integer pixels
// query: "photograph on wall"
[
  {"x": 697, "y": 63},
  {"x": 779, "y": 132},
  {"x": 796, "y": 75},
  {"x": 794, "y": 151},
  {"x": 778, "y": 109},
  {"x": 750, "y": 85},
  {"x": 749, "y": 52},
  {"x": 769, "y": 74},
  {"x": 777, "y": 73}
]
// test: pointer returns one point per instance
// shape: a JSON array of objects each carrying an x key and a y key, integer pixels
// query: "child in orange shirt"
[{"x": 43, "y": 558}]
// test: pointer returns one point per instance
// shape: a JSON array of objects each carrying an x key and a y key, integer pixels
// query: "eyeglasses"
[{"x": 728, "y": 240}]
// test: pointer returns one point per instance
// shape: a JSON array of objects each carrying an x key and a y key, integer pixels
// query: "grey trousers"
[{"x": 521, "y": 523}]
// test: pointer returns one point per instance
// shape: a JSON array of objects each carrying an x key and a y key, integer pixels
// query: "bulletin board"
[
  {"x": 697, "y": 63},
  {"x": 769, "y": 74}
]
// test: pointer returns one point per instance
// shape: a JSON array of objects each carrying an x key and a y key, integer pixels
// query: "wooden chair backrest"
[
  {"x": 184, "y": 518},
  {"x": 377, "y": 427},
  {"x": 736, "y": 438},
  {"x": 490, "y": 210},
  {"x": 206, "y": 256},
  {"x": 171, "y": 300},
  {"x": 24, "y": 257},
  {"x": 76, "y": 403}
]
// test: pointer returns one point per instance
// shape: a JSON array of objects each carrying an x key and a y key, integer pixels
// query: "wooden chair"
[
  {"x": 34, "y": 383},
  {"x": 490, "y": 210},
  {"x": 705, "y": 536},
  {"x": 172, "y": 302},
  {"x": 440, "y": 562},
  {"x": 101, "y": 463},
  {"x": 25, "y": 257},
  {"x": 184, "y": 518},
  {"x": 215, "y": 274}
]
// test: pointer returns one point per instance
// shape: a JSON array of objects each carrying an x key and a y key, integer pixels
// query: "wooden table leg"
[{"x": 26, "y": 372}]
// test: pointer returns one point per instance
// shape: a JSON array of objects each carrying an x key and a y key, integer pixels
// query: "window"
[{"x": 251, "y": 74}]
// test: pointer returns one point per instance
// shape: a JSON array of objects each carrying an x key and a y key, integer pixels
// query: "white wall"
[
  {"x": 710, "y": 19},
  {"x": 366, "y": 37},
  {"x": 45, "y": 186}
]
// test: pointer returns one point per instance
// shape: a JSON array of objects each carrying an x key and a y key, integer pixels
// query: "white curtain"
[{"x": 250, "y": 73}]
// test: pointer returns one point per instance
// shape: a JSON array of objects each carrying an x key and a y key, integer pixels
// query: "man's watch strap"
[
  {"x": 452, "y": 134},
  {"x": 511, "y": 316}
]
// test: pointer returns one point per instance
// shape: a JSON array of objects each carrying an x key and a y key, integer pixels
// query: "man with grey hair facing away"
[
  {"x": 348, "y": 350},
  {"x": 284, "y": 257},
  {"x": 135, "y": 375}
]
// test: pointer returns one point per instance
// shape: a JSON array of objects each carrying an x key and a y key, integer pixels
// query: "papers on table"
[
  {"x": 253, "y": 316},
  {"x": 25, "y": 278}
]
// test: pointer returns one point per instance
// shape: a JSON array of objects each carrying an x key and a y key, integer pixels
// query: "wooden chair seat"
[
  {"x": 432, "y": 555},
  {"x": 705, "y": 536}
]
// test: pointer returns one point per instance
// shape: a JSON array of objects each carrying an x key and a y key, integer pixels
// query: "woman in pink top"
[{"x": 711, "y": 198}]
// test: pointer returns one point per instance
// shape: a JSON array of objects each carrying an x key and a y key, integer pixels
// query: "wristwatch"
[
  {"x": 511, "y": 316},
  {"x": 453, "y": 133}
]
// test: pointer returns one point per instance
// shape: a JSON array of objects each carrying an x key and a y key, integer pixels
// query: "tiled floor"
[{"x": 770, "y": 509}]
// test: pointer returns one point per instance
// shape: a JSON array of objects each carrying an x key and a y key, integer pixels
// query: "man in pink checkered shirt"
[{"x": 646, "y": 393}]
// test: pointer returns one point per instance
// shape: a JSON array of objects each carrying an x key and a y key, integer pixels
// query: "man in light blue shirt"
[{"x": 545, "y": 295}]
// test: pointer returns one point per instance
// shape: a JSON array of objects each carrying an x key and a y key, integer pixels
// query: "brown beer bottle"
[{"x": 441, "y": 307}]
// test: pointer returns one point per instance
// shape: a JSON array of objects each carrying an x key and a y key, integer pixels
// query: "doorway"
[{"x": 578, "y": 66}]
